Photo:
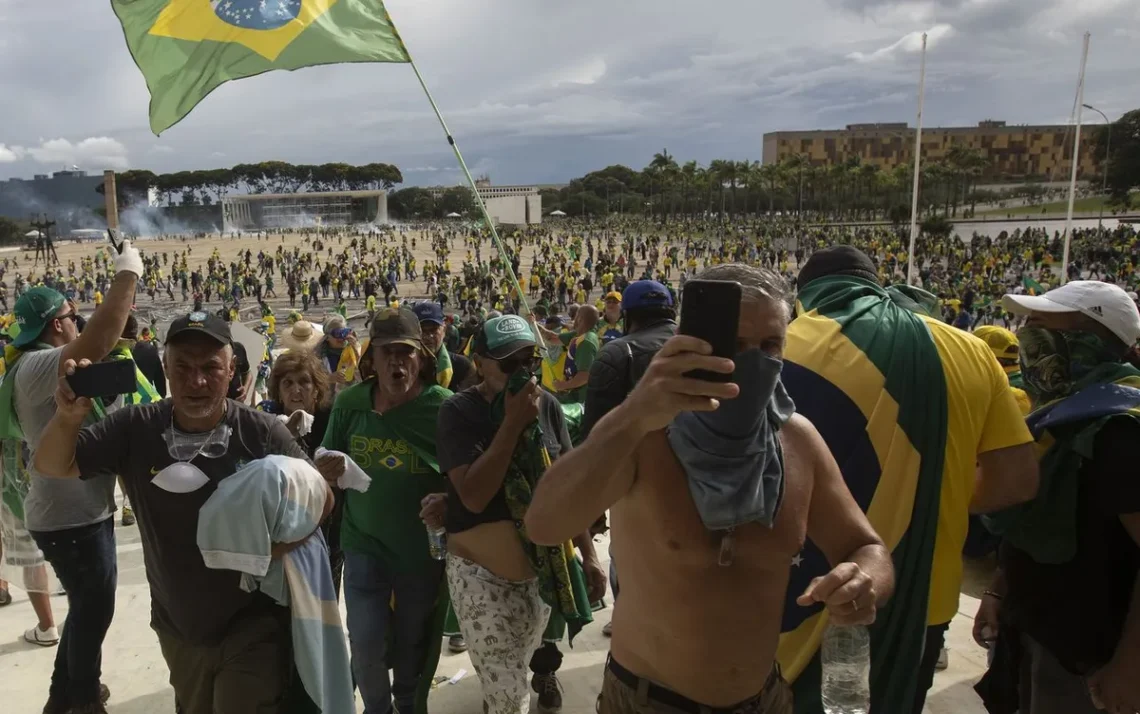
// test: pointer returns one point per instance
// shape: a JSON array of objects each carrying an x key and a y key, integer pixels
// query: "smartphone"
[
  {"x": 104, "y": 379},
  {"x": 116, "y": 242},
  {"x": 710, "y": 310}
]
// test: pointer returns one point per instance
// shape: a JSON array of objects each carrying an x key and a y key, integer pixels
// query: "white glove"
[
  {"x": 128, "y": 260},
  {"x": 353, "y": 476}
]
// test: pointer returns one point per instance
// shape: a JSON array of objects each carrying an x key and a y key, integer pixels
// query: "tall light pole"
[{"x": 1104, "y": 169}]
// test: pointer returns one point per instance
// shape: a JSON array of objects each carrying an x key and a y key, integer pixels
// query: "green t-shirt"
[
  {"x": 580, "y": 354},
  {"x": 397, "y": 450}
]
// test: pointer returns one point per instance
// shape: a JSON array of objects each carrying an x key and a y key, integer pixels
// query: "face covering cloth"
[{"x": 732, "y": 456}]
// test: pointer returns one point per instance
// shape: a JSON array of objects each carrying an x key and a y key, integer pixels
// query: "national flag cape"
[
  {"x": 866, "y": 372},
  {"x": 186, "y": 48}
]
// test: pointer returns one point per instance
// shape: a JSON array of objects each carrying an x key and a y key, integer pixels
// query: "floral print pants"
[{"x": 502, "y": 621}]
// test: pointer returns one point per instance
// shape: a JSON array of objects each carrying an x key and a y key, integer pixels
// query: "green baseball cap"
[
  {"x": 33, "y": 311},
  {"x": 506, "y": 335}
]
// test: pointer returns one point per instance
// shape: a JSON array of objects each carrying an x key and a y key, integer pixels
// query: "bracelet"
[{"x": 992, "y": 594}]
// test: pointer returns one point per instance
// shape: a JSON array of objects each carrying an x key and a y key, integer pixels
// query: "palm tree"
[
  {"x": 688, "y": 179},
  {"x": 718, "y": 170}
]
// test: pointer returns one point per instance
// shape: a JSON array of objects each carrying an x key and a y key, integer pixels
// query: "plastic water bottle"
[
  {"x": 437, "y": 542},
  {"x": 846, "y": 661}
]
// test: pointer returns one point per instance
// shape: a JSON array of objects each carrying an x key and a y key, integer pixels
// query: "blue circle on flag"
[{"x": 257, "y": 14}]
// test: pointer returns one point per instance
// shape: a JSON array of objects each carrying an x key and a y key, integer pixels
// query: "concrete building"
[
  {"x": 297, "y": 210},
  {"x": 1009, "y": 151},
  {"x": 67, "y": 197},
  {"x": 512, "y": 205}
]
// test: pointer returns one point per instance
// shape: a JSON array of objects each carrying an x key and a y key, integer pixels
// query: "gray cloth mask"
[{"x": 732, "y": 456}]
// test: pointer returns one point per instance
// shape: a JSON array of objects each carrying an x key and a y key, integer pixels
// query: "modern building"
[
  {"x": 1009, "y": 151},
  {"x": 67, "y": 197},
  {"x": 514, "y": 205},
  {"x": 299, "y": 210}
]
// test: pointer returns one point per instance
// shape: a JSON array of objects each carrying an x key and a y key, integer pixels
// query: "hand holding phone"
[{"x": 103, "y": 379}]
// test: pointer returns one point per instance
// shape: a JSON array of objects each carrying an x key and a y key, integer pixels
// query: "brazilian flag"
[
  {"x": 867, "y": 373},
  {"x": 186, "y": 48}
]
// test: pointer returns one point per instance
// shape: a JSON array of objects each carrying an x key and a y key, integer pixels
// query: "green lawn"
[{"x": 1081, "y": 205}]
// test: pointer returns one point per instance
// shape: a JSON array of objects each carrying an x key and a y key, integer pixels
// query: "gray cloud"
[{"x": 542, "y": 92}]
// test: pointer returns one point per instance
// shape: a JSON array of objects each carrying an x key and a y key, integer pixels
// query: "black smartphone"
[
  {"x": 116, "y": 242},
  {"x": 710, "y": 310},
  {"x": 104, "y": 379}
]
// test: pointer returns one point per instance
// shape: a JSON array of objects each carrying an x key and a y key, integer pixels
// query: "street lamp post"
[{"x": 1104, "y": 169}]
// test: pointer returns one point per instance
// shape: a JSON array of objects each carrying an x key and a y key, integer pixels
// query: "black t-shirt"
[
  {"x": 461, "y": 370},
  {"x": 464, "y": 431},
  {"x": 241, "y": 370},
  {"x": 1077, "y": 610},
  {"x": 188, "y": 599}
]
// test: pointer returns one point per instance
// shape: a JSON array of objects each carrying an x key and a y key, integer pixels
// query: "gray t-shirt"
[{"x": 53, "y": 504}]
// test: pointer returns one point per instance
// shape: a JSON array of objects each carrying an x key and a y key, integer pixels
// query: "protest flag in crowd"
[
  {"x": 187, "y": 48},
  {"x": 867, "y": 372}
]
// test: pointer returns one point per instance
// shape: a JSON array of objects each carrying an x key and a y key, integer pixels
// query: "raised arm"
[
  {"x": 106, "y": 324},
  {"x": 60, "y": 438},
  {"x": 582, "y": 484}
]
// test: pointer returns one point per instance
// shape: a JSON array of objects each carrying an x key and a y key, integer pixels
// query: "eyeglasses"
[{"x": 68, "y": 316}]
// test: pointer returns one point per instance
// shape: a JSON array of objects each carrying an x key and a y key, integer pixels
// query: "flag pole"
[
  {"x": 525, "y": 307},
  {"x": 917, "y": 162},
  {"x": 1076, "y": 157}
]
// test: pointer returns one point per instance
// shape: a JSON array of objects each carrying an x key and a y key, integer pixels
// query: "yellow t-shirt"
[{"x": 983, "y": 415}]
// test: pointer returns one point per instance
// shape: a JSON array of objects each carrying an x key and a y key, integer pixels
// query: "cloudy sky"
[{"x": 544, "y": 90}]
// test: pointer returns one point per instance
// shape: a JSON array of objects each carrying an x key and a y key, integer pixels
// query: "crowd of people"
[{"x": 449, "y": 463}]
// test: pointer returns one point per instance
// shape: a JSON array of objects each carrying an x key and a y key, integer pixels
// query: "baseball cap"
[
  {"x": 429, "y": 312},
  {"x": 33, "y": 311},
  {"x": 613, "y": 295},
  {"x": 1001, "y": 341},
  {"x": 506, "y": 335},
  {"x": 205, "y": 323},
  {"x": 646, "y": 293},
  {"x": 396, "y": 326},
  {"x": 1106, "y": 303}
]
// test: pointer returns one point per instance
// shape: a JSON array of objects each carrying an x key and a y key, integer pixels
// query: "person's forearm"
[
  {"x": 56, "y": 453},
  {"x": 993, "y": 493},
  {"x": 1129, "y": 646},
  {"x": 578, "y": 380},
  {"x": 484, "y": 478},
  {"x": 105, "y": 327},
  {"x": 586, "y": 481},
  {"x": 585, "y": 543},
  {"x": 875, "y": 560}
]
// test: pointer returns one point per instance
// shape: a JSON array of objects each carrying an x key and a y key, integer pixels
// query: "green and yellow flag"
[
  {"x": 186, "y": 48},
  {"x": 867, "y": 373}
]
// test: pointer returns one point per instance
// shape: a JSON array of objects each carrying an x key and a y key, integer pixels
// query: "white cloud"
[
  {"x": 161, "y": 149},
  {"x": 908, "y": 44},
  {"x": 94, "y": 153},
  {"x": 10, "y": 154}
]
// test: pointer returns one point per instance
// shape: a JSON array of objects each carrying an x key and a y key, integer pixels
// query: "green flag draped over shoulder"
[
  {"x": 866, "y": 372},
  {"x": 186, "y": 48}
]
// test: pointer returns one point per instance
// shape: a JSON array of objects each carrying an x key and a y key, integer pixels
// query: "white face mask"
[{"x": 180, "y": 477}]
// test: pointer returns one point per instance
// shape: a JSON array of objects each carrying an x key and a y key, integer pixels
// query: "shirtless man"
[{"x": 689, "y": 632}]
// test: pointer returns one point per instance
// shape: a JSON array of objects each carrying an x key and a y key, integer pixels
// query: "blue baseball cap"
[
  {"x": 646, "y": 293},
  {"x": 429, "y": 312}
]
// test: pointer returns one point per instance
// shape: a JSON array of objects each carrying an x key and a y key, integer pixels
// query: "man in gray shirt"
[{"x": 69, "y": 520}]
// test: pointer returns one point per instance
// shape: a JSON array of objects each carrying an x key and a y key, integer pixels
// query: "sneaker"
[
  {"x": 89, "y": 708},
  {"x": 128, "y": 516},
  {"x": 43, "y": 638},
  {"x": 549, "y": 691},
  {"x": 943, "y": 660},
  {"x": 608, "y": 629},
  {"x": 456, "y": 644}
]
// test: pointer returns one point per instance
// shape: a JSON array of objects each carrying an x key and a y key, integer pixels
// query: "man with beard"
[
  {"x": 691, "y": 562},
  {"x": 228, "y": 650},
  {"x": 394, "y": 590},
  {"x": 450, "y": 369}
]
